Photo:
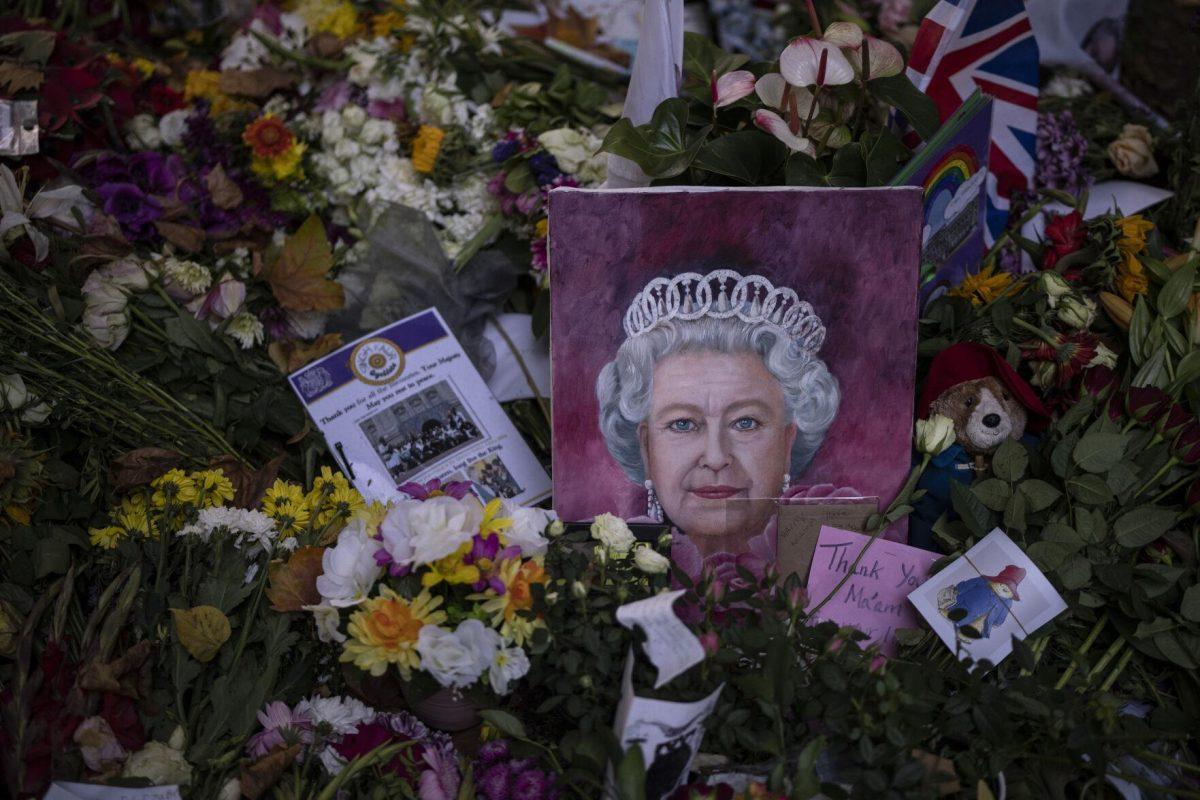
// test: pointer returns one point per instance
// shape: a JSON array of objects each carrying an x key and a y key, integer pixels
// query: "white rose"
[
  {"x": 440, "y": 525},
  {"x": 481, "y": 641},
  {"x": 328, "y": 620},
  {"x": 567, "y": 145},
  {"x": 160, "y": 764},
  {"x": 508, "y": 665},
  {"x": 1132, "y": 153},
  {"x": 350, "y": 570},
  {"x": 1077, "y": 312},
  {"x": 141, "y": 133},
  {"x": 934, "y": 435},
  {"x": 446, "y": 657},
  {"x": 614, "y": 534},
  {"x": 173, "y": 126},
  {"x": 528, "y": 525},
  {"x": 126, "y": 273},
  {"x": 649, "y": 561}
]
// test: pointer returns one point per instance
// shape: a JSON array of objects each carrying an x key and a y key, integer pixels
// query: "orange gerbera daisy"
[{"x": 268, "y": 137}]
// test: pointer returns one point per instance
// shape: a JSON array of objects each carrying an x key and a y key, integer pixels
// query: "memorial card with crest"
[
  {"x": 404, "y": 404},
  {"x": 713, "y": 346}
]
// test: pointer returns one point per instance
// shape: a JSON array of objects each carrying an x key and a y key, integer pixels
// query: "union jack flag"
[{"x": 989, "y": 44}]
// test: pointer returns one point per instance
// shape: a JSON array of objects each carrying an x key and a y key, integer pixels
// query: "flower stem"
[
  {"x": 1036, "y": 331},
  {"x": 1167, "y": 467},
  {"x": 1087, "y": 645},
  {"x": 814, "y": 19}
]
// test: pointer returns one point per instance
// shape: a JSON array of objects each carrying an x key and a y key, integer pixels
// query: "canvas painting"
[
  {"x": 715, "y": 346},
  {"x": 982, "y": 600}
]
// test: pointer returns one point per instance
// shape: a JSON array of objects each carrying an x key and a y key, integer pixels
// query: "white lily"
[
  {"x": 731, "y": 87},
  {"x": 50, "y": 204},
  {"x": 814, "y": 62}
]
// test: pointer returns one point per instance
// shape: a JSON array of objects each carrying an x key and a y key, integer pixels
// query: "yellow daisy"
[
  {"x": 214, "y": 488},
  {"x": 107, "y": 537},
  {"x": 174, "y": 488},
  {"x": 285, "y": 503},
  {"x": 384, "y": 631}
]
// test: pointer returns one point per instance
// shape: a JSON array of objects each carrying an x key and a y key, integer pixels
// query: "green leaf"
[
  {"x": 541, "y": 314},
  {"x": 1015, "y": 512},
  {"x": 631, "y": 775},
  {"x": 702, "y": 57},
  {"x": 1190, "y": 606},
  {"x": 804, "y": 170},
  {"x": 748, "y": 156},
  {"x": 1174, "y": 296},
  {"x": 1075, "y": 573},
  {"x": 849, "y": 167},
  {"x": 884, "y": 157},
  {"x": 1187, "y": 370},
  {"x": 505, "y": 722},
  {"x": 1098, "y": 452},
  {"x": 917, "y": 107},
  {"x": 1090, "y": 489},
  {"x": 1010, "y": 461},
  {"x": 1040, "y": 494},
  {"x": 665, "y": 146},
  {"x": 1142, "y": 526},
  {"x": 993, "y": 492},
  {"x": 970, "y": 509},
  {"x": 1139, "y": 329},
  {"x": 1048, "y": 555}
]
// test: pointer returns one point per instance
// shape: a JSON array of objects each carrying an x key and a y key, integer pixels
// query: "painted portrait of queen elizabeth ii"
[
  {"x": 717, "y": 393},
  {"x": 715, "y": 350}
]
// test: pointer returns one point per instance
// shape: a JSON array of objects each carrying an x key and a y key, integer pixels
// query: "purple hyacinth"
[{"x": 1060, "y": 152}]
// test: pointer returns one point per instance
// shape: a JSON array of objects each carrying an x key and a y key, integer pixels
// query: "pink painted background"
[{"x": 852, "y": 253}]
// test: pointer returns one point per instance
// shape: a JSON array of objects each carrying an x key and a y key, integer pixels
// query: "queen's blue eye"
[
  {"x": 745, "y": 424},
  {"x": 682, "y": 425}
]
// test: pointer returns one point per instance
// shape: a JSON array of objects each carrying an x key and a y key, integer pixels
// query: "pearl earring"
[{"x": 653, "y": 507}]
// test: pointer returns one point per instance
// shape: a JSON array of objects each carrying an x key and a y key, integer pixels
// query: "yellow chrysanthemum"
[
  {"x": 285, "y": 503},
  {"x": 384, "y": 631},
  {"x": 984, "y": 286},
  {"x": 1131, "y": 278},
  {"x": 1133, "y": 233},
  {"x": 328, "y": 477},
  {"x": 425, "y": 148},
  {"x": 542, "y": 227},
  {"x": 107, "y": 537},
  {"x": 133, "y": 516},
  {"x": 173, "y": 487},
  {"x": 341, "y": 504},
  {"x": 214, "y": 488},
  {"x": 282, "y": 166},
  {"x": 451, "y": 569}
]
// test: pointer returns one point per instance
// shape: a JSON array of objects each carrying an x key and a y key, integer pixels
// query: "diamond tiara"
[{"x": 721, "y": 294}]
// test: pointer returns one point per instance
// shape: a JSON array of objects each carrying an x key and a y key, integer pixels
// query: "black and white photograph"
[{"x": 420, "y": 429}]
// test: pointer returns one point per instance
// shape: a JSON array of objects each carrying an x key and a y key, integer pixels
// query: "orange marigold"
[{"x": 268, "y": 137}]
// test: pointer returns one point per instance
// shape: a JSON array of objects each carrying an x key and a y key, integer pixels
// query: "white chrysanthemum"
[
  {"x": 173, "y": 126},
  {"x": 343, "y": 715},
  {"x": 229, "y": 520},
  {"x": 190, "y": 277},
  {"x": 245, "y": 329}
]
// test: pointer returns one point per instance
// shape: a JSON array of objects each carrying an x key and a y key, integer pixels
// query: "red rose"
[{"x": 1064, "y": 235}]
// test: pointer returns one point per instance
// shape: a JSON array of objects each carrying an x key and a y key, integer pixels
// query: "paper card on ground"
[
  {"x": 983, "y": 599},
  {"x": 404, "y": 403},
  {"x": 873, "y": 598},
  {"x": 800, "y": 525},
  {"x": 64, "y": 790}
]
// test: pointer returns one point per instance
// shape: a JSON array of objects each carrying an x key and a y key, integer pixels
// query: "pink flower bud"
[{"x": 710, "y": 642}]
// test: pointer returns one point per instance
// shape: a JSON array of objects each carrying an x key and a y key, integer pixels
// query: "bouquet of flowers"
[{"x": 437, "y": 584}]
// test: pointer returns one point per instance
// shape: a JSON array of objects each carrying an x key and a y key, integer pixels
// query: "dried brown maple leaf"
[
  {"x": 299, "y": 277},
  {"x": 294, "y": 582}
]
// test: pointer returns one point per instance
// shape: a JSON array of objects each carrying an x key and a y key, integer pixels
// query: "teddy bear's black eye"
[
  {"x": 970, "y": 402},
  {"x": 1005, "y": 395}
]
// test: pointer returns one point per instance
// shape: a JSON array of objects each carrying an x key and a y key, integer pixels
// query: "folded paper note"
[
  {"x": 404, "y": 404},
  {"x": 873, "y": 597},
  {"x": 982, "y": 600},
  {"x": 63, "y": 790}
]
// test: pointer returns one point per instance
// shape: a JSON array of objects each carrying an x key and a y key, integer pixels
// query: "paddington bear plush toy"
[{"x": 989, "y": 402}]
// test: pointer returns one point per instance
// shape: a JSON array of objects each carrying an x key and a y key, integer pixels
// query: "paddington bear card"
[
  {"x": 715, "y": 346},
  {"x": 982, "y": 600}
]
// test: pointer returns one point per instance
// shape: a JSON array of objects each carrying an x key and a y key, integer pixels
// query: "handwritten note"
[
  {"x": 63, "y": 790},
  {"x": 670, "y": 646},
  {"x": 873, "y": 598}
]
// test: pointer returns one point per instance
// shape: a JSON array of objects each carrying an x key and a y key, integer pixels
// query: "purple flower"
[
  {"x": 545, "y": 168},
  {"x": 334, "y": 96},
  {"x": 514, "y": 142},
  {"x": 387, "y": 109},
  {"x": 109, "y": 169},
  {"x": 494, "y": 782},
  {"x": 281, "y": 725},
  {"x": 131, "y": 207},
  {"x": 456, "y": 489},
  {"x": 529, "y": 202},
  {"x": 1061, "y": 149},
  {"x": 486, "y": 552},
  {"x": 157, "y": 173},
  {"x": 540, "y": 256},
  {"x": 491, "y": 752},
  {"x": 533, "y": 783},
  {"x": 441, "y": 781}
]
